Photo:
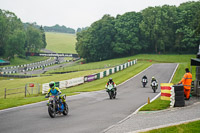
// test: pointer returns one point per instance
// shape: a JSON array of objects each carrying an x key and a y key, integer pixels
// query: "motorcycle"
[
  {"x": 56, "y": 106},
  {"x": 144, "y": 82},
  {"x": 111, "y": 91},
  {"x": 154, "y": 86}
]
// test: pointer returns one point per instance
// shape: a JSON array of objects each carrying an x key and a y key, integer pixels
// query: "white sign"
[
  {"x": 74, "y": 81},
  {"x": 45, "y": 88},
  {"x": 62, "y": 84}
]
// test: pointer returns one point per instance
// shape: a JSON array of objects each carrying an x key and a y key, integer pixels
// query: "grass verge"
[
  {"x": 157, "y": 104},
  {"x": 191, "y": 127}
]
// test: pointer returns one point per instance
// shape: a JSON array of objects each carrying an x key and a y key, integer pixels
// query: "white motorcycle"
[{"x": 154, "y": 86}]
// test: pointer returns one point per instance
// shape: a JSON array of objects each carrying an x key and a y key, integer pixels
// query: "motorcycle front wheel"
[
  {"x": 143, "y": 84},
  {"x": 110, "y": 94},
  {"x": 154, "y": 89},
  {"x": 52, "y": 112},
  {"x": 66, "y": 109}
]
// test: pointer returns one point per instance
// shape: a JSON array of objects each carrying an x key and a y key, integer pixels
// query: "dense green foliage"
[
  {"x": 58, "y": 28},
  {"x": 166, "y": 29},
  {"x": 16, "y": 39}
]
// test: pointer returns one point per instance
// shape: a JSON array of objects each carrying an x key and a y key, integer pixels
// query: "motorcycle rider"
[
  {"x": 55, "y": 91},
  {"x": 110, "y": 81},
  {"x": 144, "y": 77},
  {"x": 154, "y": 79}
]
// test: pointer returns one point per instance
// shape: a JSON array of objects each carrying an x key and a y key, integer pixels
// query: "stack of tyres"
[{"x": 179, "y": 96}]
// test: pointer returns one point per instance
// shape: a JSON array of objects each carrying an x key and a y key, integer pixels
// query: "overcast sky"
[{"x": 76, "y": 13}]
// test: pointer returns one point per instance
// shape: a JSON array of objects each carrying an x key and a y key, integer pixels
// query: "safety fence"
[
  {"x": 24, "y": 65},
  {"x": 29, "y": 89},
  {"x": 26, "y": 69},
  {"x": 80, "y": 80}
]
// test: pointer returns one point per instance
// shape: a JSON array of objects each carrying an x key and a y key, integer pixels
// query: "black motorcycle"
[
  {"x": 144, "y": 82},
  {"x": 56, "y": 106}
]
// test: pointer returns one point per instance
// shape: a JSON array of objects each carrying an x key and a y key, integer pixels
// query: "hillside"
[{"x": 61, "y": 42}]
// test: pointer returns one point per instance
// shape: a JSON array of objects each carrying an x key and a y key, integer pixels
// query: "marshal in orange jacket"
[{"x": 186, "y": 80}]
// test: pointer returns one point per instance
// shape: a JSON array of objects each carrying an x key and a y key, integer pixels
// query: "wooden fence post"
[
  {"x": 5, "y": 94},
  {"x": 25, "y": 89}
]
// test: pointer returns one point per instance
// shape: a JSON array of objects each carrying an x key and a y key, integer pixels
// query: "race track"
[{"x": 89, "y": 112}]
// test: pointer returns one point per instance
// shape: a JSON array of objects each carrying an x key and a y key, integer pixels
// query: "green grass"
[
  {"x": 61, "y": 42},
  {"x": 191, "y": 127},
  {"x": 17, "y": 83},
  {"x": 157, "y": 104},
  {"x": 166, "y": 58},
  {"x": 20, "y": 61},
  {"x": 93, "y": 65}
]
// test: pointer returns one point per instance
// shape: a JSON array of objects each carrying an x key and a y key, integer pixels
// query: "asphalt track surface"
[{"x": 91, "y": 112}]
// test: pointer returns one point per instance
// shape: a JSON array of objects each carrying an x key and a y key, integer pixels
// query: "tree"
[
  {"x": 16, "y": 43},
  {"x": 34, "y": 39},
  {"x": 43, "y": 37},
  {"x": 97, "y": 40},
  {"x": 127, "y": 34}
]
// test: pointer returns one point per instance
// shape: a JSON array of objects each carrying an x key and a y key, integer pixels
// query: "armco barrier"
[
  {"x": 76, "y": 81},
  {"x": 24, "y": 65}
]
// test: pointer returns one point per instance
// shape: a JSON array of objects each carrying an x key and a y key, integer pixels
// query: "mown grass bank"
[
  {"x": 61, "y": 42},
  {"x": 183, "y": 59}
]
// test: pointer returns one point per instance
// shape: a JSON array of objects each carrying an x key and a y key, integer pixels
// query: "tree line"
[
  {"x": 16, "y": 38},
  {"x": 58, "y": 28},
  {"x": 165, "y": 30}
]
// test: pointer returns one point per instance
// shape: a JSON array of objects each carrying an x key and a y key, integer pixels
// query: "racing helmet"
[
  {"x": 110, "y": 79},
  {"x": 52, "y": 84}
]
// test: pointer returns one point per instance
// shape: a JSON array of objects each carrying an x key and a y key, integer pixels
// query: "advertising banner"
[
  {"x": 90, "y": 78},
  {"x": 74, "y": 81}
]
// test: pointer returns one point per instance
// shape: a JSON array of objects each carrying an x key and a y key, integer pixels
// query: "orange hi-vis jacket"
[{"x": 187, "y": 80}]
